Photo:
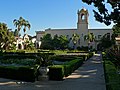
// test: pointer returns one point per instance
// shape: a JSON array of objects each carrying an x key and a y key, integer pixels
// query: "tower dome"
[{"x": 83, "y": 10}]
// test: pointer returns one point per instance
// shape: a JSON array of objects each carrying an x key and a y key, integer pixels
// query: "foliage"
[
  {"x": 12, "y": 46},
  {"x": 21, "y": 23},
  {"x": 27, "y": 62},
  {"x": 16, "y": 33},
  {"x": 46, "y": 42},
  {"x": 29, "y": 45},
  {"x": 114, "y": 54},
  {"x": 56, "y": 41},
  {"x": 60, "y": 42},
  {"x": 6, "y": 36},
  {"x": 111, "y": 75},
  {"x": 106, "y": 14},
  {"x": 90, "y": 37},
  {"x": 57, "y": 72},
  {"x": 58, "y": 52},
  {"x": 63, "y": 42},
  {"x": 105, "y": 42},
  {"x": 24, "y": 73},
  {"x": 75, "y": 38},
  {"x": 116, "y": 31}
]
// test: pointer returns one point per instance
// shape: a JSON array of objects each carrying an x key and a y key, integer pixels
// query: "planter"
[{"x": 43, "y": 74}]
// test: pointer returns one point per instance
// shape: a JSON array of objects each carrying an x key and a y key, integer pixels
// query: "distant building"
[
  {"x": 21, "y": 43},
  {"x": 81, "y": 30}
]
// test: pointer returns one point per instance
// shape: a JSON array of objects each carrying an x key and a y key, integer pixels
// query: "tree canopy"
[
  {"x": 6, "y": 36},
  {"x": 46, "y": 42},
  {"x": 21, "y": 23},
  {"x": 90, "y": 37},
  {"x": 75, "y": 38},
  {"x": 104, "y": 14},
  {"x": 105, "y": 42},
  {"x": 57, "y": 42}
]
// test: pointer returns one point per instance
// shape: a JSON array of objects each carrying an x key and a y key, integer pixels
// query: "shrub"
[
  {"x": 62, "y": 58},
  {"x": 111, "y": 74},
  {"x": 56, "y": 72},
  {"x": 71, "y": 66},
  {"x": 23, "y": 73}
]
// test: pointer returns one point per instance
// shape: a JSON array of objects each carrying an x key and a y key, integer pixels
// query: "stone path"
[{"x": 88, "y": 77}]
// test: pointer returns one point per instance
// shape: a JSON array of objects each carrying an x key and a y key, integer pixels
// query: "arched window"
[{"x": 82, "y": 16}]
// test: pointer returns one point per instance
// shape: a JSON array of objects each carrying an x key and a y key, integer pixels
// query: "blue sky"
[{"x": 43, "y": 14}]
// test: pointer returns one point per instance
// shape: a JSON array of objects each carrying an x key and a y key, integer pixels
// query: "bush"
[
  {"x": 62, "y": 58},
  {"x": 56, "y": 72},
  {"x": 111, "y": 75},
  {"x": 18, "y": 72},
  {"x": 71, "y": 66}
]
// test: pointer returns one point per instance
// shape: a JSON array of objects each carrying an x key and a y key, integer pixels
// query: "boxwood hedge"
[
  {"x": 24, "y": 73},
  {"x": 57, "y": 72}
]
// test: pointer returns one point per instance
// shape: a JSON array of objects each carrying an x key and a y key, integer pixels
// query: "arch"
[
  {"x": 25, "y": 46},
  {"x": 82, "y": 16},
  {"x": 19, "y": 46}
]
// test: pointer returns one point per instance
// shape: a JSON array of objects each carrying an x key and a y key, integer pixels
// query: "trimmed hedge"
[
  {"x": 57, "y": 72},
  {"x": 63, "y": 58},
  {"x": 71, "y": 66},
  {"x": 111, "y": 74},
  {"x": 23, "y": 73},
  {"x": 14, "y": 55}
]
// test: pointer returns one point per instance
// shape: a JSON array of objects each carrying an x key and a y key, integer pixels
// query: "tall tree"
[
  {"x": 116, "y": 31},
  {"x": 63, "y": 42},
  {"x": 46, "y": 42},
  {"x": 6, "y": 36},
  {"x": 90, "y": 38},
  {"x": 75, "y": 38},
  {"x": 106, "y": 14},
  {"x": 56, "y": 42},
  {"x": 26, "y": 25},
  {"x": 21, "y": 23},
  {"x": 105, "y": 42},
  {"x": 16, "y": 33}
]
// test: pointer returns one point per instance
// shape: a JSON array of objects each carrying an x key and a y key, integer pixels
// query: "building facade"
[{"x": 81, "y": 30}]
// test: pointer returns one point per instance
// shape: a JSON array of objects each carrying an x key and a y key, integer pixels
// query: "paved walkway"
[{"x": 90, "y": 76}]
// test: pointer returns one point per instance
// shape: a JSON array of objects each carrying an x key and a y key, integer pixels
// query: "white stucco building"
[
  {"x": 21, "y": 43},
  {"x": 81, "y": 30}
]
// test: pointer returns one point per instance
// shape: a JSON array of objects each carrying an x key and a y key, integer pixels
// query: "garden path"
[{"x": 90, "y": 76}]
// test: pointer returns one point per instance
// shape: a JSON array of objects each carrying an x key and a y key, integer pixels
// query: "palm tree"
[
  {"x": 21, "y": 23},
  {"x": 26, "y": 25},
  {"x": 90, "y": 38},
  {"x": 75, "y": 38},
  {"x": 18, "y": 23}
]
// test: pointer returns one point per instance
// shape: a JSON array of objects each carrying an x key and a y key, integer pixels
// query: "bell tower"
[{"x": 82, "y": 24}]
